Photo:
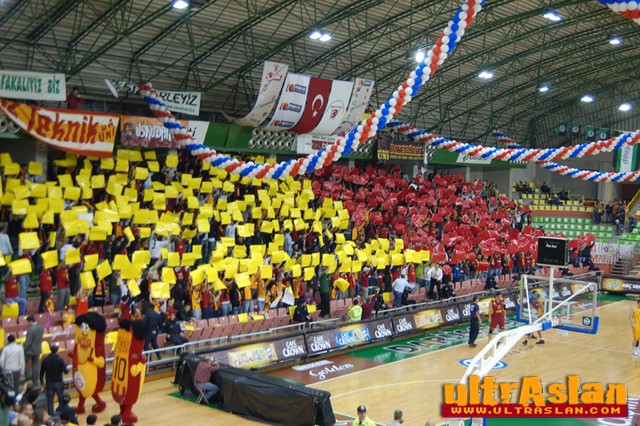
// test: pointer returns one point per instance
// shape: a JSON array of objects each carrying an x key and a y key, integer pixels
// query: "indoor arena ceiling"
[{"x": 219, "y": 46}]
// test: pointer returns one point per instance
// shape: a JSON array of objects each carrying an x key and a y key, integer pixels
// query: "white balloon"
[
  {"x": 407, "y": 99},
  {"x": 396, "y": 94},
  {"x": 358, "y": 135},
  {"x": 172, "y": 119},
  {"x": 445, "y": 40},
  {"x": 477, "y": 7},
  {"x": 413, "y": 74},
  {"x": 392, "y": 111},
  {"x": 378, "y": 113},
  {"x": 392, "y": 102},
  {"x": 359, "y": 128},
  {"x": 408, "y": 91},
  {"x": 411, "y": 81},
  {"x": 341, "y": 149},
  {"x": 463, "y": 15},
  {"x": 337, "y": 156},
  {"x": 622, "y": 7},
  {"x": 375, "y": 121},
  {"x": 447, "y": 30},
  {"x": 444, "y": 48}
]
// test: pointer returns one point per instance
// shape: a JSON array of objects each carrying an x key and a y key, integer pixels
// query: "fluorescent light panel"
[
  {"x": 180, "y": 4},
  {"x": 587, "y": 99},
  {"x": 485, "y": 74},
  {"x": 552, "y": 16},
  {"x": 615, "y": 41}
]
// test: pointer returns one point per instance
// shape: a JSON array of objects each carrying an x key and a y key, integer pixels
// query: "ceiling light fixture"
[
  {"x": 552, "y": 16},
  {"x": 543, "y": 89},
  {"x": 180, "y": 4},
  {"x": 419, "y": 56},
  {"x": 625, "y": 107},
  {"x": 485, "y": 74},
  {"x": 615, "y": 41},
  {"x": 587, "y": 99},
  {"x": 315, "y": 35},
  {"x": 325, "y": 37}
]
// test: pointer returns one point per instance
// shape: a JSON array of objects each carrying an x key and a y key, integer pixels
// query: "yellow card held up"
[
  {"x": 72, "y": 256},
  {"x": 87, "y": 280},
  {"x": 50, "y": 259},
  {"x": 104, "y": 270},
  {"x": 160, "y": 290},
  {"x": 90, "y": 262},
  {"x": 20, "y": 267},
  {"x": 168, "y": 275},
  {"x": 34, "y": 168},
  {"x": 29, "y": 240},
  {"x": 266, "y": 272},
  {"x": 132, "y": 285}
]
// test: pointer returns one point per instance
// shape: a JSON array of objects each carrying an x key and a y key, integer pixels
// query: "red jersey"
[
  {"x": 11, "y": 289},
  {"x": 411, "y": 274},
  {"x": 82, "y": 306},
  {"x": 205, "y": 299},
  {"x": 62, "y": 278},
  {"x": 125, "y": 310},
  {"x": 46, "y": 283},
  {"x": 497, "y": 307}
]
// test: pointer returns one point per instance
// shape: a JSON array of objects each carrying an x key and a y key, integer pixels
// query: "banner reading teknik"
[
  {"x": 360, "y": 96},
  {"x": 336, "y": 108},
  {"x": 32, "y": 85},
  {"x": 273, "y": 76},
  {"x": 292, "y": 102},
  {"x": 74, "y": 131},
  {"x": 183, "y": 102}
]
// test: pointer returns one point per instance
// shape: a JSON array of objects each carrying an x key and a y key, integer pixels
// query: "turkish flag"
[{"x": 319, "y": 89}]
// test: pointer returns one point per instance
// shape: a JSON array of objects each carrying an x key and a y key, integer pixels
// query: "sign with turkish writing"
[
  {"x": 273, "y": 75},
  {"x": 77, "y": 132},
  {"x": 32, "y": 85},
  {"x": 362, "y": 91},
  {"x": 391, "y": 149},
  {"x": 336, "y": 108},
  {"x": 177, "y": 102},
  {"x": 310, "y": 144},
  {"x": 149, "y": 132},
  {"x": 622, "y": 285},
  {"x": 292, "y": 102}
]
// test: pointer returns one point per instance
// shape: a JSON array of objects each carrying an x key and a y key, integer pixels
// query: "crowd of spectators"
[{"x": 178, "y": 242}]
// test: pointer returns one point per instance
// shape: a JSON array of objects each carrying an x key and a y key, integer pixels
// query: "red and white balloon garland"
[
  {"x": 629, "y": 9},
  {"x": 368, "y": 128},
  {"x": 542, "y": 157}
]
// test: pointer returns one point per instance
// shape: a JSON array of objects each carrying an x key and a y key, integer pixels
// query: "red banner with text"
[{"x": 77, "y": 132}]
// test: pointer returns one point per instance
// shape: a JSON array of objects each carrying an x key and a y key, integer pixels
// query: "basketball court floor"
[{"x": 409, "y": 374}]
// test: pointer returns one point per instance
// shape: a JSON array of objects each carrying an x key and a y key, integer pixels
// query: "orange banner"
[{"x": 74, "y": 131}]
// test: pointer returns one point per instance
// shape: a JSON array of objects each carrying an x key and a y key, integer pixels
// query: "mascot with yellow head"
[
  {"x": 128, "y": 368},
  {"x": 88, "y": 359}
]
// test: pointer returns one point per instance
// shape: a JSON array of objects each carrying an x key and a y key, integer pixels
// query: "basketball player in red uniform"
[{"x": 497, "y": 313}]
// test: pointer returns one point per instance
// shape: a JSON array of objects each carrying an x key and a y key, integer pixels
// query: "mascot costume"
[
  {"x": 128, "y": 368},
  {"x": 89, "y": 372}
]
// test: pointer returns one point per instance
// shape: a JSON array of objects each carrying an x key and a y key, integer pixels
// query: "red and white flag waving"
[
  {"x": 336, "y": 108},
  {"x": 319, "y": 89}
]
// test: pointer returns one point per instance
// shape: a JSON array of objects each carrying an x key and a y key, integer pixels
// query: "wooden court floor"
[{"x": 415, "y": 384}]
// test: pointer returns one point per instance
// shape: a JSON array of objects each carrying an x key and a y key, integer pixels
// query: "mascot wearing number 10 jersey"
[
  {"x": 89, "y": 372},
  {"x": 128, "y": 368}
]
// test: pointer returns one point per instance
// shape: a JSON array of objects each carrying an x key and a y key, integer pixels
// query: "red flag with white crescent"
[{"x": 318, "y": 94}]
